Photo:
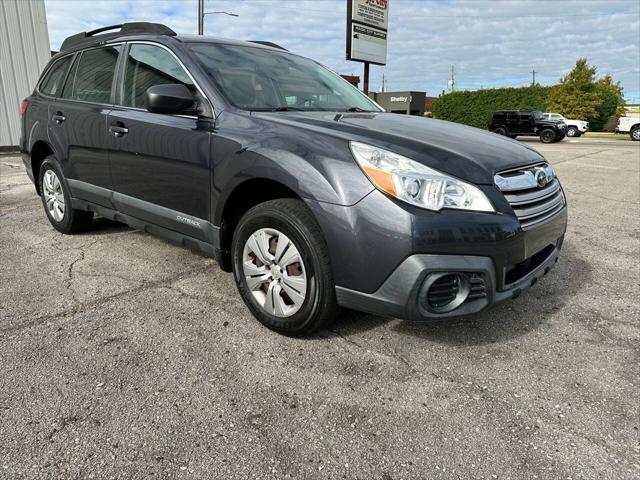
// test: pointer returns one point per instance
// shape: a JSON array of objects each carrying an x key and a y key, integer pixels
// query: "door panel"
[
  {"x": 525, "y": 125},
  {"x": 81, "y": 132},
  {"x": 162, "y": 159},
  {"x": 158, "y": 158},
  {"x": 78, "y": 119}
]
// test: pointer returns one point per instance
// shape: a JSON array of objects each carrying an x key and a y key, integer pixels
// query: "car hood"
[
  {"x": 549, "y": 123},
  {"x": 469, "y": 153}
]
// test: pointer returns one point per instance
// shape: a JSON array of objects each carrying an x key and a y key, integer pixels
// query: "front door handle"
[
  {"x": 58, "y": 118},
  {"x": 118, "y": 130}
]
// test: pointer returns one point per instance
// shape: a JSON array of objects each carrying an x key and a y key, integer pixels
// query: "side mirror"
[{"x": 169, "y": 98}]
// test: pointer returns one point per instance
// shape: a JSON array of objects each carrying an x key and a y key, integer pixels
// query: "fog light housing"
[{"x": 446, "y": 291}]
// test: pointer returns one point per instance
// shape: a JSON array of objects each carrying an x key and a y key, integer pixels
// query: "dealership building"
[{"x": 408, "y": 103}]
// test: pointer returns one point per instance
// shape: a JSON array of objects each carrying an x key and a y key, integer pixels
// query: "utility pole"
[
  {"x": 383, "y": 89},
  {"x": 452, "y": 82},
  {"x": 365, "y": 86},
  {"x": 200, "y": 17},
  {"x": 533, "y": 72}
]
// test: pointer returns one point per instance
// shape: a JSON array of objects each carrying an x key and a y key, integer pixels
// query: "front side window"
[
  {"x": 52, "y": 83},
  {"x": 149, "y": 65},
  {"x": 254, "y": 78},
  {"x": 525, "y": 116},
  {"x": 93, "y": 77}
]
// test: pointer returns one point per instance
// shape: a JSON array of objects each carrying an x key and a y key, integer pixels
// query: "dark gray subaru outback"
[{"x": 294, "y": 180}]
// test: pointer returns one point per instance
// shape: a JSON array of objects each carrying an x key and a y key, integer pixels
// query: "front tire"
[
  {"x": 547, "y": 135},
  {"x": 56, "y": 200},
  {"x": 573, "y": 132},
  {"x": 281, "y": 267},
  {"x": 635, "y": 134}
]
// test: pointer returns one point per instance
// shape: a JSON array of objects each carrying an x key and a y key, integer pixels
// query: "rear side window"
[
  {"x": 149, "y": 65},
  {"x": 93, "y": 76},
  {"x": 52, "y": 82},
  {"x": 511, "y": 116},
  {"x": 499, "y": 116}
]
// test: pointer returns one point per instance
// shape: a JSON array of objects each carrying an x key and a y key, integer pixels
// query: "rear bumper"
[{"x": 405, "y": 293}]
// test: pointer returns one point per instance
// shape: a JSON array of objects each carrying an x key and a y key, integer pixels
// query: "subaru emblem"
[{"x": 541, "y": 177}]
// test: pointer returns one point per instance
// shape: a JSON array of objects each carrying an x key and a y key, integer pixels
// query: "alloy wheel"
[
  {"x": 53, "y": 195},
  {"x": 547, "y": 136},
  {"x": 274, "y": 272}
]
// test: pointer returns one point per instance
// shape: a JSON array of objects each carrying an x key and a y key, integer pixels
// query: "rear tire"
[
  {"x": 56, "y": 200},
  {"x": 635, "y": 134},
  {"x": 500, "y": 130},
  {"x": 291, "y": 289},
  {"x": 547, "y": 135}
]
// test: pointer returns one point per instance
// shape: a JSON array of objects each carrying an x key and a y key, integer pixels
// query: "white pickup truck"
[
  {"x": 575, "y": 128},
  {"x": 630, "y": 125}
]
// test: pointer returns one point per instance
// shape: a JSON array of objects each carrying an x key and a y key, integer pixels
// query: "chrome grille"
[{"x": 533, "y": 192}]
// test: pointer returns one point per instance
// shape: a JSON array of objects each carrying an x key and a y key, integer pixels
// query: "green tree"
[
  {"x": 612, "y": 101},
  {"x": 577, "y": 95}
]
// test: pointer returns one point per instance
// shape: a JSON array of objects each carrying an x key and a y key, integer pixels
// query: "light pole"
[{"x": 202, "y": 13}]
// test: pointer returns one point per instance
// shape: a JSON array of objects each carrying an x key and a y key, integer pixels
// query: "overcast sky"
[{"x": 491, "y": 43}]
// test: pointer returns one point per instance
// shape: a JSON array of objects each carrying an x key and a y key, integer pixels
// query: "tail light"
[
  {"x": 618, "y": 121},
  {"x": 23, "y": 106}
]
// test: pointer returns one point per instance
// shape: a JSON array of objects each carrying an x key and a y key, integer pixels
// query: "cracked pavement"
[{"x": 124, "y": 356}]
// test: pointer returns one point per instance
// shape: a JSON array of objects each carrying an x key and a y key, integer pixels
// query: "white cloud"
[{"x": 491, "y": 43}]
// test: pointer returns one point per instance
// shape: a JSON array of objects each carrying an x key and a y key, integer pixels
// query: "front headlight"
[{"x": 417, "y": 184}]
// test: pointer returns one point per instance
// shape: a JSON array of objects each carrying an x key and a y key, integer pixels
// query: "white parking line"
[{"x": 602, "y": 167}]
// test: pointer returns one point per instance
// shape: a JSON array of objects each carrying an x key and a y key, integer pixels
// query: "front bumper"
[{"x": 404, "y": 293}]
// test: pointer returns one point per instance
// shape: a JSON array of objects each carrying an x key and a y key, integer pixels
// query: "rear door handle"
[
  {"x": 118, "y": 130},
  {"x": 58, "y": 118}
]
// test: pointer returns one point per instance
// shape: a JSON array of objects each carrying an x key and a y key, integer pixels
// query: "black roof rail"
[
  {"x": 132, "y": 28},
  {"x": 268, "y": 44}
]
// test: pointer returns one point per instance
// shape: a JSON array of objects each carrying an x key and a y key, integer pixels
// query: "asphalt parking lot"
[{"x": 124, "y": 356}]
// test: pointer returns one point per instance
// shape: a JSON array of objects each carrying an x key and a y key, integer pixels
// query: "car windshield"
[
  {"x": 254, "y": 78},
  {"x": 538, "y": 115}
]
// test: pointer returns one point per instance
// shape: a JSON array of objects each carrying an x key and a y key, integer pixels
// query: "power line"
[{"x": 462, "y": 17}]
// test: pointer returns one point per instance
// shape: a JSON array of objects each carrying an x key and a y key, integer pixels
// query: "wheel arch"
[
  {"x": 39, "y": 151},
  {"x": 240, "y": 199}
]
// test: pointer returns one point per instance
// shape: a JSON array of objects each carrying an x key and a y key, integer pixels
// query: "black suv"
[
  {"x": 291, "y": 178},
  {"x": 532, "y": 123}
]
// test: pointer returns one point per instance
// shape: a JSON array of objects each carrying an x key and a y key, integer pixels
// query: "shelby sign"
[{"x": 367, "y": 30}]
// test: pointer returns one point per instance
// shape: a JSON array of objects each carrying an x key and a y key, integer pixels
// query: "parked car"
[
  {"x": 630, "y": 125},
  {"x": 514, "y": 123},
  {"x": 575, "y": 128},
  {"x": 289, "y": 176}
]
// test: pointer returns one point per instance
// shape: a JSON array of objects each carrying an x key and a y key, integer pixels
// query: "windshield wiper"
[{"x": 277, "y": 109}]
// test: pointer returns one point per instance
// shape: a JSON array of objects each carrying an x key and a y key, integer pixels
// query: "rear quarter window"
[
  {"x": 53, "y": 80},
  {"x": 499, "y": 116}
]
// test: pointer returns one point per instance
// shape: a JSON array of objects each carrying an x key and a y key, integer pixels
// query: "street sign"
[{"x": 367, "y": 22}]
